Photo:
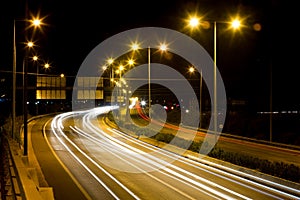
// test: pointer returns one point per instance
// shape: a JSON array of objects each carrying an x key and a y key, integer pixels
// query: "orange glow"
[
  {"x": 235, "y": 24},
  {"x": 47, "y": 65},
  {"x": 35, "y": 58},
  {"x": 191, "y": 69},
  {"x": 36, "y": 22},
  {"x": 130, "y": 62},
  {"x": 257, "y": 27},
  {"x": 30, "y": 44},
  {"x": 194, "y": 22}
]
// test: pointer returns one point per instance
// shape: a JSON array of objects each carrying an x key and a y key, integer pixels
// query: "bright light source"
[
  {"x": 104, "y": 67},
  {"x": 194, "y": 22},
  {"x": 235, "y": 24},
  {"x": 163, "y": 47},
  {"x": 35, "y": 58},
  {"x": 135, "y": 46},
  {"x": 143, "y": 103},
  {"x": 47, "y": 65},
  {"x": 110, "y": 61},
  {"x": 36, "y": 22},
  {"x": 30, "y": 44},
  {"x": 191, "y": 69},
  {"x": 130, "y": 62}
]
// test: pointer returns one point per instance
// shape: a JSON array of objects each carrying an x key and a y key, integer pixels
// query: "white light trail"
[
  {"x": 59, "y": 120},
  {"x": 147, "y": 158},
  {"x": 123, "y": 150}
]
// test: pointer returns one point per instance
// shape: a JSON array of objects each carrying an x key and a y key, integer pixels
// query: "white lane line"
[
  {"x": 170, "y": 155},
  {"x": 234, "y": 172},
  {"x": 161, "y": 162},
  {"x": 79, "y": 161},
  {"x": 148, "y": 146},
  {"x": 96, "y": 164},
  {"x": 63, "y": 165},
  {"x": 122, "y": 156}
]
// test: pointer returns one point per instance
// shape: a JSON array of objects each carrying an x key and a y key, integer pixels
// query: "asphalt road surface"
[{"x": 83, "y": 158}]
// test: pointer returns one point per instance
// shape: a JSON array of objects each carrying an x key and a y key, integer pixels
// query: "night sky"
[{"x": 245, "y": 60}]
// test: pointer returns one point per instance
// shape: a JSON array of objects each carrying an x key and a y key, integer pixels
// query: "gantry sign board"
[
  {"x": 55, "y": 88},
  {"x": 112, "y": 99},
  {"x": 89, "y": 88},
  {"x": 51, "y": 87}
]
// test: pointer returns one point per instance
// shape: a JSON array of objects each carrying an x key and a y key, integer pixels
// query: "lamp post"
[
  {"x": 110, "y": 61},
  {"x": 135, "y": 47},
  {"x": 162, "y": 48},
  {"x": 34, "y": 23},
  {"x": 149, "y": 80},
  {"x": 25, "y": 111},
  {"x": 235, "y": 24},
  {"x": 192, "y": 70},
  {"x": 215, "y": 79},
  {"x": 25, "y": 83},
  {"x": 119, "y": 84},
  {"x": 119, "y": 71},
  {"x": 35, "y": 60}
]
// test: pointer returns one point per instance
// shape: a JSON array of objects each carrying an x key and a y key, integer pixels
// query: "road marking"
[{"x": 62, "y": 164}]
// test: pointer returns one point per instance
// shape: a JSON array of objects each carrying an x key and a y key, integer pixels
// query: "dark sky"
[{"x": 74, "y": 28}]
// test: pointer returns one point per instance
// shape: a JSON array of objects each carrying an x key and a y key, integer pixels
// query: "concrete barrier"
[
  {"x": 28, "y": 176},
  {"x": 28, "y": 169}
]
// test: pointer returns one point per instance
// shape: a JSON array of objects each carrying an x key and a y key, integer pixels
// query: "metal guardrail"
[
  {"x": 10, "y": 182},
  {"x": 276, "y": 144},
  {"x": 11, "y": 186}
]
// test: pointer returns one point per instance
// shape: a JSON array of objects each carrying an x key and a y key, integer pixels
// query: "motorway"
[
  {"x": 245, "y": 146},
  {"x": 270, "y": 151},
  {"x": 83, "y": 158}
]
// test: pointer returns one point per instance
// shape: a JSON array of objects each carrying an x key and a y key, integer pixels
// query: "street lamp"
[
  {"x": 38, "y": 65},
  {"x": 34, "y": 23},
  {"x": 235, "y": 24},
  {"x": 109, "y": 62},
  {"x": 25, "y": 111},
  {"x": 192, "y": 70},
  {"x": 119, "y": 71},
  {"x": 162, "y": 47},
  {"x": 149, "y": 80},
  {"x": 35, "y": 59},
  {"x": 47, "y": 65}
]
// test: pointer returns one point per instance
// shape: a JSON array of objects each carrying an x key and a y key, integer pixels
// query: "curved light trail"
[{"x": 126, "y": 167}]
